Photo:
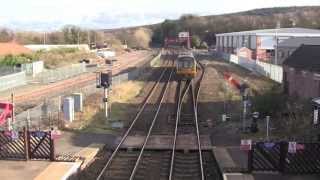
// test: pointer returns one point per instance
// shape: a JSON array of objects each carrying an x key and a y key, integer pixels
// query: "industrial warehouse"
[{"x": 265, "y": 44}]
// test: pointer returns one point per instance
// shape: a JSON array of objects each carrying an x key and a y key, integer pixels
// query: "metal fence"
[
  {"x": 48, "y": 113},
  {"x": 137, "y": 72},
  {"x": 274, "y": 72},
  {"x": 34, "y": 68},
  {"x": 12, "y": 80},
  {"x": 285, "y": 157},
  {"x": 53, "y": 75},
  {"x": 6, "y": 70}
]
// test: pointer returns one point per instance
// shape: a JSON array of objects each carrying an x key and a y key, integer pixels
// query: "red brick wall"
[
  {"x": 245, "y": 52},
  {"x": 304, "y": 84}
]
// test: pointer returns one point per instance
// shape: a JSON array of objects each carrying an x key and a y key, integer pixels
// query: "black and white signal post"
[{"x": 104, "y": 80}]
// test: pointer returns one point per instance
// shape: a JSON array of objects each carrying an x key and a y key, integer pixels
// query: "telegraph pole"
[{"x": 276, "y": 48}]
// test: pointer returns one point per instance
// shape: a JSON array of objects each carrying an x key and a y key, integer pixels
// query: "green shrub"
[
  {"x": 63, "y": 50},
  {"x": 270, "y": 102},
  {"x": 12, "y": 60}
]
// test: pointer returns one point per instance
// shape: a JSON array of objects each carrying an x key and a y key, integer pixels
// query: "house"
[
  {"x": 263, "y": 42},
  {"x": 13, "y": 48},
  {"x": 301, "y": 72},
  {"x": 288, "y": 46}
]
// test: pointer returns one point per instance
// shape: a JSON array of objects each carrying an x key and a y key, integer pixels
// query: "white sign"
[
  {"x": 246, "y": 144},
  {"x": 292, "y": 147},
  {"x": 315, "y": 116},
  {"x": 183, "y": 34}
]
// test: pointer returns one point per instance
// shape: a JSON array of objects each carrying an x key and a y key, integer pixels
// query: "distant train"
[{"x": 186, "y": 65}]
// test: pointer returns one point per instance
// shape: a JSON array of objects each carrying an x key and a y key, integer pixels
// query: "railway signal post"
[{"x": 104, "y": 80}]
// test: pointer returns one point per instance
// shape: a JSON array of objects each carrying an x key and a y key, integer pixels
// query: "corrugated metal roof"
[
  {"x": 294, "y": 32},
  {"x": 296, "y": 42}
]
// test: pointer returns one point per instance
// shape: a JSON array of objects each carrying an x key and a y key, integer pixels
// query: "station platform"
[
  {"x": 227, "y": 163},
  {"x": 59, "y": 171},
  {"x": 237, "y": 176},
  {"x": 164, "y": 142},
  {"x": 63, "y": 170}
]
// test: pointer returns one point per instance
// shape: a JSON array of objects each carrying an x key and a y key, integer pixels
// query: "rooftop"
[
  {"x": 306, "y": 57},
  {"x": 294, "y": 32},
  {"x": 296, "y": 42},
  {"x": 13, "y": 48}
]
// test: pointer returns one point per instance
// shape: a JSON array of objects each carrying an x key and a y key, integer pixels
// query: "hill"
[{"x": 205, "y": 27}]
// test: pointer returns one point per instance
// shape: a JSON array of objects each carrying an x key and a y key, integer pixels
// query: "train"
[{"x": 186, "y": 65}]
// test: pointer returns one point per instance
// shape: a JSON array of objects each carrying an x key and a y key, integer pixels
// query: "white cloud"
[{"x": 122, "y": 12}]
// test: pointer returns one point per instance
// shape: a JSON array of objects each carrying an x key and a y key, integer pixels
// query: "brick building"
[
  {"x": 301, "y": 72},
  {"x": 288, "y": 46}
]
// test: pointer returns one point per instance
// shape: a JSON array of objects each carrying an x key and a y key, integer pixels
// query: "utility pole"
[
  {"x": 78, "y": 37},
  {"x": 44, "y": 37},
  {"x": 276, "y": 48},
  {"x": 88, "y": 33}
]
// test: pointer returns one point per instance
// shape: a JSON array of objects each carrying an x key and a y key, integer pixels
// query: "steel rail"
[
  {"x": 114, "y": 153},
  {"x": 178, "y": 112},
  {"x": 150, "y": 129},
  {"x": 195, "y": 106},
  {"x": 197, "y": 130}
]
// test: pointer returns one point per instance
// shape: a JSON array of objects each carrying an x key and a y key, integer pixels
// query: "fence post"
[
  {"x": 52, "y": 149},
  {"x": 26, "y": 144},
  {"x": 250, "y": 159},
  {"x": 283, "y": 154}
]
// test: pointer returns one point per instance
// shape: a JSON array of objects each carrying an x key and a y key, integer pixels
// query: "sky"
[{"x": 47, "y": 15}]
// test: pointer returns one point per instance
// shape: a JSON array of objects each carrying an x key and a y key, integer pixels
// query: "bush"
[
  {"x": 12, "y": 60},
  {"x": 63, "y": 50},
  {"x": 195, "y": 41},
  {"x": 270, "y": 102}
]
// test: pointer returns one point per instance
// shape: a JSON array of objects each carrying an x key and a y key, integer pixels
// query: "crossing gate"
[
  {"x": 26, "y": 145},
  {"x": 303, "y": 159}
]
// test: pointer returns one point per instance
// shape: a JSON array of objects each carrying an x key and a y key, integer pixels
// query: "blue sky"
[{"x": 52, "y": 14}]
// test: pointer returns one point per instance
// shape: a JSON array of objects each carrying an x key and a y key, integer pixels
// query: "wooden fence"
[
  {"x": 302, "y": 159},
  {"x": 26, "y": 145}
]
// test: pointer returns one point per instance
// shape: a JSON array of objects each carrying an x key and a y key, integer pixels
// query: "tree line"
[
  {"x": 204, "y": 28},
  {"x": 70, "y": 34}
]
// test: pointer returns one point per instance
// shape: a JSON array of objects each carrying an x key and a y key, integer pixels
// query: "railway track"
[
  {"x": 132, "y": 160},
  {"x": 190, "y": 165},
  {"x": 141, "y": 163}
]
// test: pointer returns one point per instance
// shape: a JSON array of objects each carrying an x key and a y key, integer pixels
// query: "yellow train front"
[{"x": 186, "y": 66}]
